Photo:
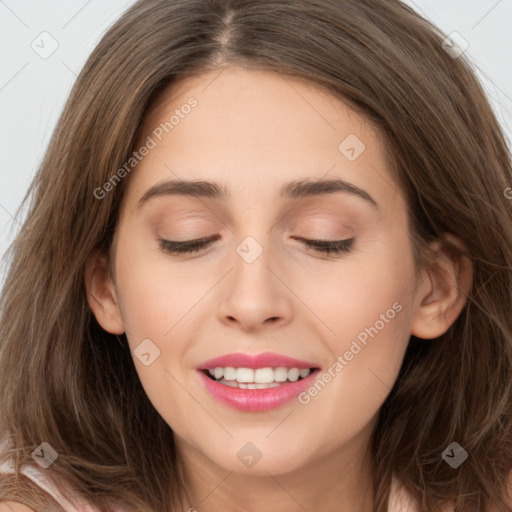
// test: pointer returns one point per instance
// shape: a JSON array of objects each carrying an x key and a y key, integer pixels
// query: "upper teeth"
[{"x": 259, "y": 376}]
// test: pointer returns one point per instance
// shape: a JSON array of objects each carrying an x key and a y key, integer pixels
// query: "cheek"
[
  {"x": 154, "y": 294},
  {"x": 370, "y": 323},
  {"x": 156, "y": 303},
  {"x": 354, "y": 292},
  {"x": 368, "y": 309},
  {"x": 159, "y": 302}
]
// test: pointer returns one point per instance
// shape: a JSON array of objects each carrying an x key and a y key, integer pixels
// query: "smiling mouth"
[{"x": 261, "y": 378}]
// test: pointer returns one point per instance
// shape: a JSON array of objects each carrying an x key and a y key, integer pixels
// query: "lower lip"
[{"x": 257, "y": 400}]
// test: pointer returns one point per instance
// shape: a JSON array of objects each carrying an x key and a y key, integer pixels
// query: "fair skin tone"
[{"x": 252, "y": 132}]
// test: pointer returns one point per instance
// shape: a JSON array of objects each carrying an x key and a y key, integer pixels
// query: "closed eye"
[
  {"x": 329, "y": 246},
  {"x": 192, "y": 246}
]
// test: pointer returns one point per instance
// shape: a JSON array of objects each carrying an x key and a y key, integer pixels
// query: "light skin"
[{"x": 252, "y": 132}]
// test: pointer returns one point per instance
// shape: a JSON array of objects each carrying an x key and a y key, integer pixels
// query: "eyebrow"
[{"x": 293, "y": 190}]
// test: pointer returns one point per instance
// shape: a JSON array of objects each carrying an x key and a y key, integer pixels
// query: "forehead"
[
  {"x": 269, "y": 103},
  {"x": 253, "y": 131}
]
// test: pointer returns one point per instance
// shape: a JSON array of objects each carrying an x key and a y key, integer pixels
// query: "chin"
[{"x": 248, "y": 460}]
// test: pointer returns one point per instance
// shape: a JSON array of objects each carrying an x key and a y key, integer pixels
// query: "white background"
[{"x": 33, "y": 89}]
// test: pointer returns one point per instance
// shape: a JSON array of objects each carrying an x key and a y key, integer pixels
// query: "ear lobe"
[
  {"x": 101, "y": 294},
  {"x": 450, "y": 274}
]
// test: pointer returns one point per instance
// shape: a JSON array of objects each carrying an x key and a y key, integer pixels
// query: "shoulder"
[{"x": 11, "y": 506}]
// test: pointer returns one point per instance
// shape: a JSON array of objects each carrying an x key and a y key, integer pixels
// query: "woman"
[{"x": 268, "y": 258}]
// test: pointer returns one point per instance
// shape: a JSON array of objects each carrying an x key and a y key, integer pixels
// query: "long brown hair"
[{"x": 65, "y": 381}]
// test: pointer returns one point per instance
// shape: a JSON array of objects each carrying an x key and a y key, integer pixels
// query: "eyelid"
[
  {"x": 323, "y": 246},
  {"x": 328, "y": 246},
  {"x": 204, "y": 241}
]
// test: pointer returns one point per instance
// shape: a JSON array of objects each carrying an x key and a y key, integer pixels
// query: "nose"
[{"x": 254, "y": 296}]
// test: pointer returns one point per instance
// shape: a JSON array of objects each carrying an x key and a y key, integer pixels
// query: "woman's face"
[{"x": 262, "y": 144}]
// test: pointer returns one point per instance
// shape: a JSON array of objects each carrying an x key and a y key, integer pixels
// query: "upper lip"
[{"x": 264, "y": 360}]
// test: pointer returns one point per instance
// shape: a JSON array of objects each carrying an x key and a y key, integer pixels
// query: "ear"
[
  {"x": 101, "y": 293},
  {"x": 447, "y": 283}
]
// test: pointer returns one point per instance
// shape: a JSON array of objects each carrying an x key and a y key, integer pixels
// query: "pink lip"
[
  {"x": 256, "y": 400},
  {"x": 267, "y": 359}
]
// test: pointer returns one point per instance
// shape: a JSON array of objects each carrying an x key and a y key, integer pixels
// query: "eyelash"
[{"x": 321, "y": 246}]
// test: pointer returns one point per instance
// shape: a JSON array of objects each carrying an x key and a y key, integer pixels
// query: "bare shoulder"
[{"x": 11, "y": 506}]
